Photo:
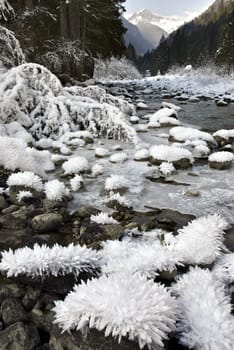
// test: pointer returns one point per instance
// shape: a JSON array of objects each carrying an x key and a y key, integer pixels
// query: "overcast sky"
[{"x": 168, "y": 7}]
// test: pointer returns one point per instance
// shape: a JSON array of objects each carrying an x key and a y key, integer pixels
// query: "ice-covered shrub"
[
  {"x": 41, "y": 261},
  {"x": 120, "y": 306},
  {"x": 75, "y": 165},
  {"x": 204, "y": 319},
  {"x": 10, "y": 51},
  {"x": 19, "y": 156},
  {"x": 183, "y": 134},
  {"x": 25, "y": 179},
  {"x": 55, "y": 190},
  {"x": 146, "y": 258},
  {"x": 116, "y": 182},
  {"x": 115, "y": 69},
  {"x": 76, "y": 182},
  {"x": 33, "y": 96},
  {"x": 223, "y": 269},
  {"x": 201, "y": 241},
  {"x": 103, "y": 219}
]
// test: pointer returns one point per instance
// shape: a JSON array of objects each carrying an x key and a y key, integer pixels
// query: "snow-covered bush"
[
  {"x": 103, "y": 219},
  {"x": 33, "y": 96},
  {"x": 221, "y": 157},
  {"x": 120, "y": 306},
  {"x": 147, "y": 258},
  {"x": 19, "y": 156},
  {"x": 204, "y": 319},
  {"x": 10, "y": 51},
  {"x": 55, "y": 190},
  {"x": 115, "y": 69},
  {"x": 76, "y": 182},
  {"x": 75, "y": 165},
  {"x": 201, "y": 241},
  {"x": 41, "y": 261},
  {"x": 183, "y": 134},
  {"x": 116, "y": 182},
  {"x": 25, "y": 179}
]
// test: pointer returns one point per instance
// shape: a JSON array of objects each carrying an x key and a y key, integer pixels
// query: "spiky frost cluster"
[
  {"x": 103, "y": 219},
  {"x": 136, "y": 308},
  {"x": 224, "y": 268},
  {"x": 76, "y": 182},
  {"x": 201, "y": 241},
  {"x": 122, "y": 200},
  {"x": 41, "y": 261},
  {"x": 166, "y": 168},
  {"x": 26, "y": 179},
  {"x": 55, "y": 190},
  {"x": 204, "y": 318},
  {"x": 75, "y": 165},
  {"x": 116, "y": 182},
  {"x": 23, "y": 194},
  {"x": 97, "y": 169},
  {"x": 146, "y": 258}
]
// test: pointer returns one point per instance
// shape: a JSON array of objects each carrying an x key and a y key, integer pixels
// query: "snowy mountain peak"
[{"x": 167, "y": 23}]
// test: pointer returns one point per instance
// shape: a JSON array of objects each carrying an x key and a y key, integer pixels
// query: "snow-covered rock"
[
  {"x": 101, "y": 152},
  {"x": 221, "y": 160},
  {"x": 182, "y": 134},
  {"x": 180, "y": 157},
  {"x": 25, "y": 179},
  {"x": 97, "y": 169},
  {"x": 119, "y": 157},
  {"x": 75, "y": 165},
  {"x": 164, "y": 117},
  {"x": 166, "y": 168},
  {"x": 142, "y": 155},
  {"x": 112, "y": 304}
]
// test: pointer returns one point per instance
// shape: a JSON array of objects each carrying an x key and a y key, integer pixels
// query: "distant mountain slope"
[
  {"x": 133, "y": 36},
  {"x": 167, "y": 23},
  {"x": 195, "y": 42}
]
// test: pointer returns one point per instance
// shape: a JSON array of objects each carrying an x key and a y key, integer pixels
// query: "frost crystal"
[
  {"x": 55, "y": 190},
  {"x": 43, "y": 261},
  {"x": 201, "y": 241},
  {"x": 97, "y": 169},
  {"x": 26, "y": 179},
  {"x": 75, "y": 165},
  {"x": 103, "y": 219},
  {"x": 76, "y": 182},
  {"x": 116, "y": 182},
  {"x": 122, "y": 200},
  {"x": 224, "y": 268},
  {"x": 122, "y": 306},
  {"x": 204, "y": 312},
  {"x": 146, "y": 258}
]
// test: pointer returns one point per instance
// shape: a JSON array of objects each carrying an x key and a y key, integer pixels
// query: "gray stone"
[
  {"x": 43, "y": 320},
  {"x": 10, "y": 289},
  {"x": 12, "y": 311},
  {"x": 19, "y": 336},
  {"x": 94, "y": 341},
  {"x": 3, "y": 202},
  {"x": 46, "y": 222},
  {"x": 220, "y": 165}
]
